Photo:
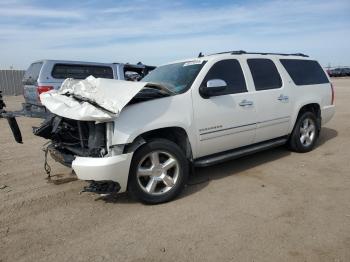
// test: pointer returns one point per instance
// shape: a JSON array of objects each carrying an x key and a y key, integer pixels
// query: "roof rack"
[{"x": 241, "y": 52}]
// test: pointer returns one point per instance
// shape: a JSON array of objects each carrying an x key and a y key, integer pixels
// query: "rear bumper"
[
  {"x": 33, "y": 110},
  {"x": 114, "y": 168},
  {"x": 327, "y": 113}
]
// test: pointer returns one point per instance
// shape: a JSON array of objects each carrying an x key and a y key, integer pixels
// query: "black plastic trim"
[{"x": 239, "y": 152}]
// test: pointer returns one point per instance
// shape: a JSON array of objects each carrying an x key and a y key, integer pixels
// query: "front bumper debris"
[
  {"x": 11, "y": 119},
  {"x": 60, "y": 157},
  {"x": 102, "y": 187}
]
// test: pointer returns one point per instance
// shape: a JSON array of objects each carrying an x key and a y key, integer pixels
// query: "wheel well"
[
  {"x": 175, "y": 134},
  {"x": 314, "y": 108}
]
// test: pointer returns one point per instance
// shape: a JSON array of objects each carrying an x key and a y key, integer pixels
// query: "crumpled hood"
[{"x": 91, "y": 99}]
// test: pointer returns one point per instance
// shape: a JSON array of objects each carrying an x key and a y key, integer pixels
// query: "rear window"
[
  {"x": 265, "y": 74},
  {"x": 62, "y": 71},
  {"x": 32, "y": 74},
  {"x": 305, "y": 72}
]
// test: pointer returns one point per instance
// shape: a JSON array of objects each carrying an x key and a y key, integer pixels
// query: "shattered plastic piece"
[{"x": 91, "y": 99}]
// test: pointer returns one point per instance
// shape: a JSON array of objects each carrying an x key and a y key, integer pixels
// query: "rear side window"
[
  {"x": 231, "y": 72},
  {"x": 265, "y": 74},
  {"x": 32, "y": 74},
  {"x": 305, "y": 72},
  {"x": 62, "y": 71}
]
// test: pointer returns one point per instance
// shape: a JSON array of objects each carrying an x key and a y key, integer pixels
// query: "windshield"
[{"x": 177, "y": 77}]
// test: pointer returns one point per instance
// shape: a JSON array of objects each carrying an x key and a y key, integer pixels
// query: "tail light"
[
  {"x": 333, "y": 95},
  {"x": 43, "y": 89}
]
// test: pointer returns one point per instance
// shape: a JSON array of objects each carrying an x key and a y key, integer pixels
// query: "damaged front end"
[
  {"x": 70, "y": 138},
  {"x": 80, "y": 128},
  {"x": 85, "y": 147},
  {"x": 83, "y": 114}
]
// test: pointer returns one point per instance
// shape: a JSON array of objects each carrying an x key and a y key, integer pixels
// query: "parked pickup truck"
[
  {"x": 45, "y": 75},
  {"x": 145, "y": 136}
]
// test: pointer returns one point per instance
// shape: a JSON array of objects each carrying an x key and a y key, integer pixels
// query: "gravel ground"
[{"x": 271, "y": 206}]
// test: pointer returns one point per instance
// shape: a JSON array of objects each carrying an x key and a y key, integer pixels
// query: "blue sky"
[{"x": 157, "y": 32}]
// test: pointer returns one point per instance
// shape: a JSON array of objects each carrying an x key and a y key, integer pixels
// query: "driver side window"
[{"x": 231, "y": 72}]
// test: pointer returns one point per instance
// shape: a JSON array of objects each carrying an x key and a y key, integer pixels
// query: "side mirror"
[{"x": 213, "y": 87}]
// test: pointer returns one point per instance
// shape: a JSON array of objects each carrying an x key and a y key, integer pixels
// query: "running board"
[{"x": 236, "y": 153}]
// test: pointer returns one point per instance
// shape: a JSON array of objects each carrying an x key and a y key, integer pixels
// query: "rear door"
[
  {"x": 226, "y": 121},
  {"x": 30, "y": 83},
  {"x": 273, "y": 99},
  {"x": 311, "y": 84}
]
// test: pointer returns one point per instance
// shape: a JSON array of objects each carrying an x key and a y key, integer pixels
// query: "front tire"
[
  {"x": 158, "y": 172},
  {"x": 305, "y": 133}
]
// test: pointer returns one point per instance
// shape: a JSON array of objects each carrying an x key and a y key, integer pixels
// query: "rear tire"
[
  {"x": 158, "y": 172},
  {"x": 305, "y": 133}
]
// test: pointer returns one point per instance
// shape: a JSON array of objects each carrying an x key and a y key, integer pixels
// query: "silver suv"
[{"x": 45, "y": 75}]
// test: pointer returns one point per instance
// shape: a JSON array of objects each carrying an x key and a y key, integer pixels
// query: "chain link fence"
[{"x": 11, "y": 82}]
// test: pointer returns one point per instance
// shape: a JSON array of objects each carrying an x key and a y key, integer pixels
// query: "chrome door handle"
[
  {"x": 283, "y": 98},
  {"x": 245, "y": 102}
]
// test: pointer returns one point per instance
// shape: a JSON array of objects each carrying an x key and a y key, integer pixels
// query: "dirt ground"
[{"x": 271, "y": 206}]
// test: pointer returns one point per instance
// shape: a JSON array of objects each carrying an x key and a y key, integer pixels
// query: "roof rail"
[
  {"x": 230, "y": 52},
  {"x": 241, "y": 52}
]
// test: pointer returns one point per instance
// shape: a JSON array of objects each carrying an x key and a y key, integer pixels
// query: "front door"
[{"x": 227, "y": 120}]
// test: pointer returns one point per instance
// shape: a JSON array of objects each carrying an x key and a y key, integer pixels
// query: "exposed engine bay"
[{"x": 71, "y": 138}]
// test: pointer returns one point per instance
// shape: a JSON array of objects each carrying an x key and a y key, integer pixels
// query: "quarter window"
[
  {"x": 231, "y": 72},
  {"x": 62, "y": 71},
  {"x": 32, "y": 73},
  {"x": 265, "y": 74},
  {"x": 305, "y": 72}
]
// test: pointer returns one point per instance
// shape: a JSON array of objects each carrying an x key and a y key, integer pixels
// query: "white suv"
[{"x": 194, "y": 112}]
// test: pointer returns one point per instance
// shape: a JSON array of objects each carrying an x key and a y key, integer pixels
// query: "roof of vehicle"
[
  {"x": 53, "y": 61},
  {"x": 242, "y": 53},
  {"x": 71, "y": 62}
]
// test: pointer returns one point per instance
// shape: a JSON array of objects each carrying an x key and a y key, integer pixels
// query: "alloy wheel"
[
  {"x": 158, "y": 172},
  {"x": 307, "y": 132}
]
